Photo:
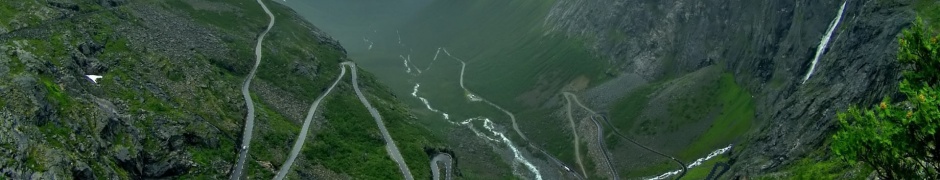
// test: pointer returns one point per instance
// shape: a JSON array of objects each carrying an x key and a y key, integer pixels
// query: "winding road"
[
  {"x": 448, "y": 166},
  {"x": 390, "y": 146},
  {"x": 463, "y": 67},
  {"x": 389, "y": 142},
  {"x": 250, "y": 118},
  {"x": 302, "y": 136},
  {"x": 600, "y": 130}
]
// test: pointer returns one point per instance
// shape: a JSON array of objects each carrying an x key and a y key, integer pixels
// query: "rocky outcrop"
[
  {"x": 768, "y": 45},
  {"x": 165, "y": 108}
]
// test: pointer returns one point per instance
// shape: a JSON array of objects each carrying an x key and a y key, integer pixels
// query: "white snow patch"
[{"x": 94, "y": 78}]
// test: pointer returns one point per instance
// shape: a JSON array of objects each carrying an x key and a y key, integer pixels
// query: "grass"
[
  {"x": 13, "y": 12},
  {"x": 820, "y": 164},
  {"x": 274, "y": 134},
  {"x": 35, "y": 160},
  {"x": 410, "y": 138},
  {"x": 53, "y": 130},
  {"x": 929, "y": 11},
  {"x": 54, "y": 92},
  {"x": 248, "y": 18},
  {"x": 205, "y": 155},
  {"x": 351, "y": 143},
  {"x": 706, "y": 94},
  {"x": 654, "y": 169},
  {"x": 626, "y": 110},
  {"x": 737, "y": 114},
  {"x": 827, "y": 169},
  {"x": 6, "y": 10},
  {"x": 701, "y": 171}
]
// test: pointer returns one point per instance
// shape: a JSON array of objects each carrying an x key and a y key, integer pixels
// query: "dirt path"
[
  {"x": 600, "y": 130},
  {"x": 575, "y": 142}
]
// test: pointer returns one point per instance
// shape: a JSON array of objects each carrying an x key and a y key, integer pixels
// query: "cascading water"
[
  {"x": 697, "y": 162},
  {"x": 824, "y": 42},
  {"x": 491, "y": 133},
  {"x": 426, "y": 103},
  {"x": 367, "y": 41},
  {"x": 500, "y": 137},
  {"x": 407, "y": 67}
]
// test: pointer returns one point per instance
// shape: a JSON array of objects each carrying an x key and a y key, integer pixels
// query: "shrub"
[{"x": 899, "y": 140}]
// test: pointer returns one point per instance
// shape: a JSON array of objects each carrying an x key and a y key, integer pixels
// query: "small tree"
[{"x": 899, "y": 140}]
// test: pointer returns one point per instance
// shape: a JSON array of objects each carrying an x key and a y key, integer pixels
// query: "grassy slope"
[
  {"x": 733, "y": 105},
  {"x": 342, "y": 124},
  {"x": 214, "y": 111}
]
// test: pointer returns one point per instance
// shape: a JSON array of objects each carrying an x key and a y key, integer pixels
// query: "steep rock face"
[{"x": 768, "y": 45}]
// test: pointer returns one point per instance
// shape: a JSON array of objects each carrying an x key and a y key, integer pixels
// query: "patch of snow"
[{"x": 94, "y": 78}]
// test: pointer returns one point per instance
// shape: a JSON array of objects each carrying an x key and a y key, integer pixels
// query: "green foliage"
[
  {"x": 929, "y": 11},
  {"x": 350, "y": 143},
  {"x": 627, "y": 109},
  {"x": 701, "y": 171},
  {"x": 808, "y": 168},
  {"x": 900, "y": 140},
  {"x": 34, "y": 160},
  {"x": 55, "y": 93},
  {"x": 820, "y": 164},
  {"x": 919, "y": 50},
  {"x": 735, "y": 118}
]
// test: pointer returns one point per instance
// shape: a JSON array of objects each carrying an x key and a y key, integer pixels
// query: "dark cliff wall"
[{"x": 768, "y": 45}]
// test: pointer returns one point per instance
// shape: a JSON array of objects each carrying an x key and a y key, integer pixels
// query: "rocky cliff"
[{"x": 767, "y": 45}]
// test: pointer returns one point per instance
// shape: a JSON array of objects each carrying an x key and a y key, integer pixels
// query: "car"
[{"x": 244, "y": 146}]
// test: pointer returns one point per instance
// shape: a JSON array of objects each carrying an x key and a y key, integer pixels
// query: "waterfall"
[{"x": 824, "y": 42}]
